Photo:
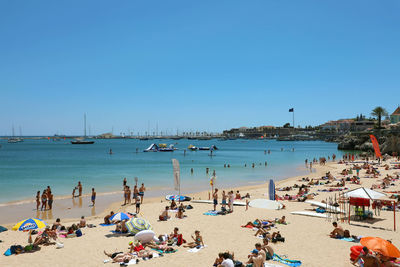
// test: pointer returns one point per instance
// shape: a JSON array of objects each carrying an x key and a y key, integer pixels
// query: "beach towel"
[
  {"x": 349, "y": 239},
  {"x": 247, "y": 226},
  {"x": 194, "y": 250},
  {"x": 287, "y": 262},
  {"x": 103, "y": 224},
  {"x": 166, "y": 252},
  {"x": 266, "y": 264},
  {"x": 211, "y": 213}
]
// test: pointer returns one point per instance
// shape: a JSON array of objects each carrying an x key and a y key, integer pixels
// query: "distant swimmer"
[
  {"x": 269, "y": 151},
  {"x": 207, "y": 170},
  {"x": 253, "y": 165},
  {"x": 265, "y": 152},
  {"x": 245, "y": 165},
  {"x": 110, "y": 151},
  {"x": 191, "y": 170},
  {"x": 137, "y": 150},
  {"x": 265, "y": 164},
  {"x": 282, "y": 149},
  {"x": 229, "y": 166},
  {"x": 184, "y": 152},
  {"x": 293, "y": 149}
]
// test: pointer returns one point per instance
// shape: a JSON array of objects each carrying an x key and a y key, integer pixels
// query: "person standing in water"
[
  {"x": 141, "y": 193},
  {"x": 80, "y": 188},
  {"x": 49, "y": 198},
  {"x": 135, "y": 192},
  {"x": 223, "y": 199},
  {"x": 38, "y": 200},
  {"x": 93, "y": 198},
  {"x": 44, "y": 200}
]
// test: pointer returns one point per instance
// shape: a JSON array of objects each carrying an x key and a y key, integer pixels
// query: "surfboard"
[
  {"x": 324, "y": 206},
  {"x": 310, "y": 213},
  {"x": 235, "y": 203},
  {"x": 271, "y": 190},
  {"x": 265, "y": 204},
  {"x": 177, "y": 198}
]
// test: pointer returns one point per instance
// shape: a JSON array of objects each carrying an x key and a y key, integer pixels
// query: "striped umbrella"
[
  {"x": 29, "y": 224},
  {"x": 120, "y": 216},
  {"x": 135, "y": 225}
]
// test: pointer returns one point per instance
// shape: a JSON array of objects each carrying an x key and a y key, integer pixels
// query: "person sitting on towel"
[{"x": 337, "y": 232}]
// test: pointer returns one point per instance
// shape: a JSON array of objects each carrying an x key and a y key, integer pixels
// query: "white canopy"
[{"x": 364, "y": 193}]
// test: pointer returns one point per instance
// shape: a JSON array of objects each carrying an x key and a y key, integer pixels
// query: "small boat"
[
  {"x": 193, "y": 148},
  {"x": 82, "y": 142},
  {"x": 151, "y": 148},
  {"x": 204, "y": 148}
]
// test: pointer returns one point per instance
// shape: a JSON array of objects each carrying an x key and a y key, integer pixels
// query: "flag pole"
[{"x": 293, "y": 120}]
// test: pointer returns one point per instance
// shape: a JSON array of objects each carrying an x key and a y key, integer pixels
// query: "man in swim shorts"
[{"x": 215, "y": 198}]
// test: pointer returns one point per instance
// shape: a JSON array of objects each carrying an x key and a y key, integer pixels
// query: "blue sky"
[{"x": 206, "y": 65}]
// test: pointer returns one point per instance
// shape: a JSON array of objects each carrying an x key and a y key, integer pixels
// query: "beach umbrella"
[
  {"x": 380, "y": 245},
  {"x": 135, "y": 225},
  {"x": 29, "y": 224},
  {"x": 120, "y": 216}
]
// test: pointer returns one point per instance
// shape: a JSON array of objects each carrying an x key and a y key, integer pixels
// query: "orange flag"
[{"x": 376, "y": 146}]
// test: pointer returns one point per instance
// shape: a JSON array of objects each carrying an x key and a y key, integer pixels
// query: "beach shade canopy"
[
  {"x": 364, "y": 193},
  {"x": 29, "y": 224},
  {"x": 381, "y": 246},
  {"x": 120, "y": 216},
  {"x": 135, "y": 225}
]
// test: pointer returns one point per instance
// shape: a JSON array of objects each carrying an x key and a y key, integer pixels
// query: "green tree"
[{"x": 379, "y": 112}]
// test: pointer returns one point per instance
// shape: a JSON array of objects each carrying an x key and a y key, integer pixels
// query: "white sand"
[{"x": 306, "y": 237}]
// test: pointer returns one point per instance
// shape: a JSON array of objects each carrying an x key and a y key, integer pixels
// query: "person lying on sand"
[
  {"x": 107, "y": 218},
  {"x": 260, "y": 223},
  {"x": 198, "y": 240},
  {"x": 121, "y": 257},
  {"x": 140, "y": 250},
  {"x": 163, "y": 246},
  {"x": 337, "y": 232}
]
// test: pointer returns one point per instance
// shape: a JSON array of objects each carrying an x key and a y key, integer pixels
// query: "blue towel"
[
  {"x": 293, "y": 263},
  {"x": 211, "y": 213},
  {"x": 103, "y": 224}
]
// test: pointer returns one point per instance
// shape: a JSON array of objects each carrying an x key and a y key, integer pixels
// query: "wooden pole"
[
  {"x": 349, "y": 211},
  {"x": 394, "y": 216}
]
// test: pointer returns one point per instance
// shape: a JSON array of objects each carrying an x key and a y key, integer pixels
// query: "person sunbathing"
[
  {"x": 107, "y": 218},
  {"x": 164, "y": 215},
  {"x": 140, "y": 250},
  {"x": 369, "y": 259},
  {"x": 281, "y": 220},
  {"x": 173, "y": 205},
  {"x": 121, "y": 257},
  {"x": 337, "y": 232},
  {"x": 259, "y": 223},
  {"x": 179, "y": 214},
  {"x": 177, "y": 237},
  {"x": 162, "y": 246},
  {"x": 198, "y": 240}
]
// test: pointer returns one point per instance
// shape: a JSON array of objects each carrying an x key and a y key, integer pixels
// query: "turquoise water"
[{"x": 32, "y": 165}]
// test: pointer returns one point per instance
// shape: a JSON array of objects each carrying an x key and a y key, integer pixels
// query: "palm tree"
[{"x": 379, "y": 112}]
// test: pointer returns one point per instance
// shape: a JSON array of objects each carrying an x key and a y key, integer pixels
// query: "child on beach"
[
  {"x": 137, "y": 204},
  {"x": 198, "y": 241},
  {"x": 44, "y": 200}
]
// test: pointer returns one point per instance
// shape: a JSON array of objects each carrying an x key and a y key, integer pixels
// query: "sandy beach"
[{"x": 306, "y": 238}]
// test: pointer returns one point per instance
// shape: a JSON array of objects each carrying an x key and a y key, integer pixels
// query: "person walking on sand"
[
  {"x": 93, "y": 198},
  {"x": 137, "y": 201},
  {"x": 141, "y": 193},
  {"x": 80, "y": 188},
  {"x": 37, "y": 200},
  {"x": 125, "y": 195},
  {"x": 124, "y": 182},
  {"x": 215, "y": 198}
]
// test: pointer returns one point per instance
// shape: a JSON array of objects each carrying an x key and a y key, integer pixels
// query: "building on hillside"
[
  {"x": 342, "y": 125},
  {"x": 395, "y": 117}
]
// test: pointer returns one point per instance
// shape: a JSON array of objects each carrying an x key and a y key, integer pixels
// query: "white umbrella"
[{"x": 364, "y": 193}]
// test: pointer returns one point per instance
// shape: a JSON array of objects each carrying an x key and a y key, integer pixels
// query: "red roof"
[{"x": 397, "y": 111}]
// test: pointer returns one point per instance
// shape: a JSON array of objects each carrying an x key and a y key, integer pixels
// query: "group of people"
[
  {"x": 137, "y": 196},
  {"x": 46, "y": 199},
  {"x": 227, "y": 199}
]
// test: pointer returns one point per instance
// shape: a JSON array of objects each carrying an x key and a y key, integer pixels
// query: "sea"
[{"x": 32, "y": 165}]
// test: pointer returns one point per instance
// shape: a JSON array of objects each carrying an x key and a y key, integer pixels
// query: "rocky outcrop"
[
  {"x": 350, "y": 142},
  {"x": 391, "y": 144}
]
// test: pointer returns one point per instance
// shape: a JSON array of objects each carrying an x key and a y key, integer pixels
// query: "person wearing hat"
[{"x": 256, "y": 258}]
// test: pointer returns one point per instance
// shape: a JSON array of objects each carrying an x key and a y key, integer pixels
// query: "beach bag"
[
  {"x": 189, "y": 207},
  {"x": 78, "y": 233}
]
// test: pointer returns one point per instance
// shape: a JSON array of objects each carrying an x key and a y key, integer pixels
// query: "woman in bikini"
[
  {"x": 44, "y": 200},
  {"x": 198, "y": 240}
]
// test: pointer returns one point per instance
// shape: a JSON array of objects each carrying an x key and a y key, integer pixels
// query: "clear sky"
[{"x": 206, "y": 65}]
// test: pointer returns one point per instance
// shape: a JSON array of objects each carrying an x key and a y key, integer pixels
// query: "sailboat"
[
  {"x": 14, "y": 139},
  {"x": 82, "y": 141}
]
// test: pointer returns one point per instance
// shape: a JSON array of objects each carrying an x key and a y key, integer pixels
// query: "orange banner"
[{"x": 376, "y": 146}]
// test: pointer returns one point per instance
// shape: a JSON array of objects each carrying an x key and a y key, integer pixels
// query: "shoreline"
[{"x": 114, "y": 200}]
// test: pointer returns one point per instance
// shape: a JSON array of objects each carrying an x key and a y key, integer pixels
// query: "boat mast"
[{"x": 84, "y": 122}]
